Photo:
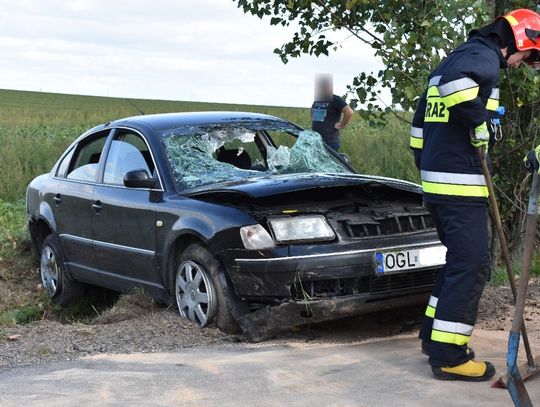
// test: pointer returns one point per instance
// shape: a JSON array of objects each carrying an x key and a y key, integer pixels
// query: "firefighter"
[{"x": 454, "y": 119}]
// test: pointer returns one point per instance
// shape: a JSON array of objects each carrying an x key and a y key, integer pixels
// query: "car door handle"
[
  {"x": 97, "y": 206},
  {"x": 57, "y": 199}
]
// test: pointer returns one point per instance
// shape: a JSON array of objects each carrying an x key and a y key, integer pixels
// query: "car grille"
[
  {"x": 395, "y": 282},
  {"x": 389, "y": 225},
  {"x": 363, "y": 285}
]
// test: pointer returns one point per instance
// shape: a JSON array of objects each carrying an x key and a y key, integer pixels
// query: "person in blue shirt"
[{"x": 329, "y": 112}]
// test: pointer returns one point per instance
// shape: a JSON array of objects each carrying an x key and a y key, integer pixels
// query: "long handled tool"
[
  {"x": 532, "y": 364},
  {"x": 516, "y": 387}
]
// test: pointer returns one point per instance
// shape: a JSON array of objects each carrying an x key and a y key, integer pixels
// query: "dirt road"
[{"x": 382, "y": 372}]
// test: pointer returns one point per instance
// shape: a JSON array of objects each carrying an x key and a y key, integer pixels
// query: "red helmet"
[{"x": 525, "y": 25}]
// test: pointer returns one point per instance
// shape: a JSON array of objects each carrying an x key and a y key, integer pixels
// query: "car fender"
[
  {"x": 195, "y": 225},
  {"x": 46, "y": 214},
  {"x": 212, "y": 231}
]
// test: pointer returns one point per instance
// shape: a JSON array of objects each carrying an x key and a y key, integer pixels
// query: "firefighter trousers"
[{"x": 453, "y": 306}]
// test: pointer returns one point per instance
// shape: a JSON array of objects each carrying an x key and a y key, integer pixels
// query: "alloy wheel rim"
[
  {"x": 49, "y": 270},
  {"x": 195, "y": 293}
]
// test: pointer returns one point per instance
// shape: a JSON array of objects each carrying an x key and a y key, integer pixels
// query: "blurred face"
[
  {"x": 323, "y": 87},
  {"x": 517, "y": 59}
]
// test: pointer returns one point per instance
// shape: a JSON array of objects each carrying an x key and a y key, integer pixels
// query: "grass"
[
  {"x": 24, "y": 315},
  {"x": 13, "y": 232},
  {"x": 500, "y": 276}
]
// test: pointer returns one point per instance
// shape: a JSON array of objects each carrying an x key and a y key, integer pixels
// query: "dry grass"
[{"x": 128, "y": 306}]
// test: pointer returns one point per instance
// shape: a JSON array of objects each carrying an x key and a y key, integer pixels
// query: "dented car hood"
[{"x": 261, "y": 187}]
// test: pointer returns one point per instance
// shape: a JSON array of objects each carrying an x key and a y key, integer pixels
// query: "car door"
[
  {"x": 124, "y": 219},
  {"x": 71, "y": 200}
]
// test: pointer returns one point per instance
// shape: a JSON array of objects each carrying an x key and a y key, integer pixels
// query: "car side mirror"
[
  {"x": 345, "y": 157},
  {"x": 139, "y": 179}
]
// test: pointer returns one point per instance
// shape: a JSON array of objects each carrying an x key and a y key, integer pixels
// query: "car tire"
[
  {"x": 199, "y": 275},
  {"x": 52, "y": 268}
]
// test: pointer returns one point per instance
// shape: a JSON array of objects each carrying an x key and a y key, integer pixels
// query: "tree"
[{"x": 411, "y": 37}]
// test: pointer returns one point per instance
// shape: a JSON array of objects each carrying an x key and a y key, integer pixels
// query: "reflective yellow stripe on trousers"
[
  {"x": 432, "y": 305},
  {"x": 455, "y": 333},
  {"x": 449, "y": 183}
]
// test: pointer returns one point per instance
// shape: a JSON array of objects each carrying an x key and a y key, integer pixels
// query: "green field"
[{"x": 36, "y": 127}]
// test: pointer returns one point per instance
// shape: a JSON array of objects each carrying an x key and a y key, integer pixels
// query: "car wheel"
[
  {"x": 53, "y": 274},
  {"x": 199, "y": 290}
]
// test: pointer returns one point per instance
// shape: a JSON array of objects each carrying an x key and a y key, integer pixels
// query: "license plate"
[{"x": 410, "y": 259}]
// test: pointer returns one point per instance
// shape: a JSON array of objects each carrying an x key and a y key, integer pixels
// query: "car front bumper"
[
  {"x": 311, "y": 284},
  {"x": 265, "y": 277}
]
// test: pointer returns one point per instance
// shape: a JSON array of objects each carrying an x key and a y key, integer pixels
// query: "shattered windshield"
[{"x": 204, "y": 155}]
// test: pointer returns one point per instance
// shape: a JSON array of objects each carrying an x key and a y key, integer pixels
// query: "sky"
[{"x": 196, "y": 50}]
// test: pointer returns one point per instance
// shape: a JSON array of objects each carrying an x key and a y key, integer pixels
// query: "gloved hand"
[
  {"x": 532, "y": 160},
  {"x": 480, "y": 136}
]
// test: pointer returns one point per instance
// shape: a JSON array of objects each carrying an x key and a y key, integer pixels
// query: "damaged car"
[{"x": 244, "y": 220}]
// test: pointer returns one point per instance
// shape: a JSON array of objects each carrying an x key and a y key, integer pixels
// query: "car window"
[
  {"x": 64, "y": 165},
  {"x": 126, "y": 154},
  {"x": 86, "y": 163}
]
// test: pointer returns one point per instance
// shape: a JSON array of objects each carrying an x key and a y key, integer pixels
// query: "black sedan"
[{"x": 244, "y": 220}]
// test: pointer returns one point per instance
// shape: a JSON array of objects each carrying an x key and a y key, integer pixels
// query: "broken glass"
[
  {"x": 193, "y": 152},
  {"x": 307, "y": 155}
]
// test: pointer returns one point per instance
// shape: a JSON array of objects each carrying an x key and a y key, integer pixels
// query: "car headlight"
[
  {"x": 301, "y": 228},
  {"x": 255, "y": 237}
]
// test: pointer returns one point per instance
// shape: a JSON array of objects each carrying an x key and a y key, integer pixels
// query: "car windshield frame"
[{"x": 189, "y": 152}]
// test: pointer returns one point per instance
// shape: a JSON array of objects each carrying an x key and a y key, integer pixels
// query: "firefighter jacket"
[{"x": 461, "y": 97}]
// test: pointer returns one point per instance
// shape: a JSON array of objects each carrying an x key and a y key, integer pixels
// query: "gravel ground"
[
  {"x": 159, "y": 329},
  {"x": 496, "y": 309},
  {"x": 45, "y": 341}
]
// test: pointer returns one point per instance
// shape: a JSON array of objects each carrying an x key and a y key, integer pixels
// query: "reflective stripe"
[
  {"x": 452, "y": 178},
  {"x": 453, "y": 327},
  {"x": 492, "y": 104},
  {"x": 445, "y": 337},
  {"x": 455, "y": 333},
  {"x": 433, "y": 301},
  {"x": 462, "y": 96},
  {"x": 481, "y": 132},
  {"x": 434, "y": 81},
  {"x": 512, "y": 20},
  {"x": 416, "y": 143},
  {"x": 432, "y": 92},
  {"x": 495, "y": 94},
  {"x": 455, "y": 190},
  {"x": 456, "y": 86},
  {"x": 458, "y": 91},
  {"x": 417, "y": 132},
  {"x": 432, "y": 305}
]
